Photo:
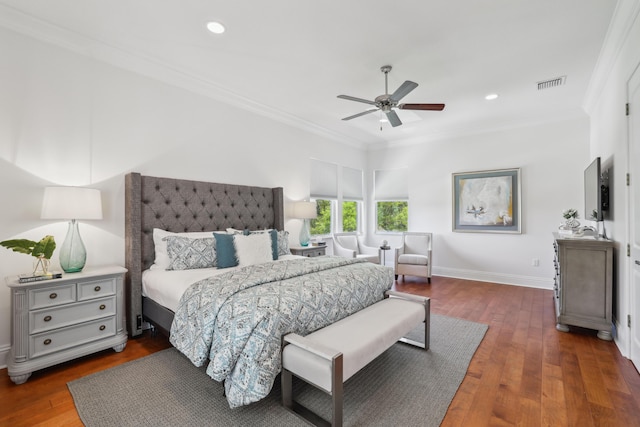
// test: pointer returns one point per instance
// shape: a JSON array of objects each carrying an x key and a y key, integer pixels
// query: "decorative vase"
[
  {"x": 73, "y": 254},
  {"x": 572, "y": 223},
  {"x": 41, "y": 266},
  {"x": 305, "y": 234}
]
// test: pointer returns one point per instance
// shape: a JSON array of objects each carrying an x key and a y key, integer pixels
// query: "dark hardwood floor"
[{"x": 523, "y": 373}]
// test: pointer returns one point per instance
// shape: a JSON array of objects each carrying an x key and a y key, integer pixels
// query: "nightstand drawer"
[
  {"x": 95, "y": 289},
  {"x": 58, "y": 317},
  {"x": 60, "y": 339},
  {"x": 309, "y": 251},
  {"x": 52, "y": 296}
]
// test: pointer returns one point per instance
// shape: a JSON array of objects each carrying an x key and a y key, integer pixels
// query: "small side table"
[
  {"x": 384, "y": 250},
  {"x": 309, "y": 251}
]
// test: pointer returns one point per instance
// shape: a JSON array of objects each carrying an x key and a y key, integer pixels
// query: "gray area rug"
[{"x": 404, "y": 386}]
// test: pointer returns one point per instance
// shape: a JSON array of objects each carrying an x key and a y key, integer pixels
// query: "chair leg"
[
  {"x": 396, "y": 277},
  {"x": 429, "y": 280}
]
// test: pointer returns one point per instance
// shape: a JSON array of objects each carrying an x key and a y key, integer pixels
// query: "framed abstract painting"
[{"x": 487, "y": 201}]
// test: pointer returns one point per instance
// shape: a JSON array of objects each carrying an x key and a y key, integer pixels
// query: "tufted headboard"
[{"x": 179, "y": 206}]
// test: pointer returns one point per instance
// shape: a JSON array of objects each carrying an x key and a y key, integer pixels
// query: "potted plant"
[{"x": 41, "y": 250}]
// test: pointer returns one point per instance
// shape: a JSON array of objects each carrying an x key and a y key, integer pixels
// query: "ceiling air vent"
[{"x": 558, "y": 81}]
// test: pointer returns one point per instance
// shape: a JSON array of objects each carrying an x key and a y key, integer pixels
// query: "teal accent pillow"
[
  {"x": 274, "y": 243},
  {"x": 226, "y": 251}
]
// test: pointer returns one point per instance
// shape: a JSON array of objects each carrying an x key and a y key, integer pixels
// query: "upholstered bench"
[{"x": 329, "y": 356}]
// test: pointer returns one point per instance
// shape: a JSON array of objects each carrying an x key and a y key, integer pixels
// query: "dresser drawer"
[
  {"x": 95, "y": 289},
  {"x": 60, "y": 339},
  {"x": 58, "y": 317},
  {"x": 52, "y": 296}
]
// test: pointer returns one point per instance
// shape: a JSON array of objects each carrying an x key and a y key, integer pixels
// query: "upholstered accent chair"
[
  {"x": 413, "y": 258},
  {"x": 348, "y": 245}
]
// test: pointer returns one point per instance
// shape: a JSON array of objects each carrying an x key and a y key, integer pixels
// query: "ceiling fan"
[{"x": 386, "y": 103}]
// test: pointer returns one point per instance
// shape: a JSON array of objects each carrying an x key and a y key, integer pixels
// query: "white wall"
[
  {"x": 552, "y": 158},
  {"x": 609, "y": 140},
  {"x": 68, "y": 120}
]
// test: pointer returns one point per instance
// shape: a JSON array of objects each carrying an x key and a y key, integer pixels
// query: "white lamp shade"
[
  {"x": 71, "y": 203},
  {"x": 305, "y": 210}
]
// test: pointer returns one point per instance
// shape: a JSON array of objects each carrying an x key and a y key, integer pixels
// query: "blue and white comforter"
[{"x": 236, "y": 320}]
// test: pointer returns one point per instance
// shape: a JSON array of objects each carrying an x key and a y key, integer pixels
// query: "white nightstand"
[{"x": 62, "y": 319}]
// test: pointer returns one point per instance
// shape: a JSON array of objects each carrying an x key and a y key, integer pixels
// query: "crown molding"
[{"x": 624, "y": 16}]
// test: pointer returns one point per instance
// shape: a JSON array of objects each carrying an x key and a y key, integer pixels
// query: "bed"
[{"x": 233, "y": 319}]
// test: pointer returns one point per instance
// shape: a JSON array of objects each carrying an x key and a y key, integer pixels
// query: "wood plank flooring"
[{"x": 524, "y": 372}]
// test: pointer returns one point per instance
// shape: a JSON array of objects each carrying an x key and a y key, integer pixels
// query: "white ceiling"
[{"x": 289, "y": 59}]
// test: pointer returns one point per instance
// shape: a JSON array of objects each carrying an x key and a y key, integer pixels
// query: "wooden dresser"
[
  {"x": 62, "y": 319},
  {"x": 583, "y": 284}
]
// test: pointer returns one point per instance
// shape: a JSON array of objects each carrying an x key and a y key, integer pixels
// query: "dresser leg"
[
  {"x": 120, "y": 347},
  {"x": 20, "y": 379},
  {"x": 605, "y": 335},
  {"x": 562, "y": 328}
]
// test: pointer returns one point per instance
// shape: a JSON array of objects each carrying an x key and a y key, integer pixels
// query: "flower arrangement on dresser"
[
  {"x": 42, "y": 251},
  {"x": 571, "y": 224}
]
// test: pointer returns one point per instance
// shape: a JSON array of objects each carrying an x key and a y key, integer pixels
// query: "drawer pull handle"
[
  {"x": 47, "y": 318},
  {"x": 102, "y": 327},
  {"x": 53, "y": 296},
  {"x": 97, "y": 289},
  {"x": 47, "y": 341},
  {"x": 102, "y": 306},
  {"x": 637, "y": 262}
]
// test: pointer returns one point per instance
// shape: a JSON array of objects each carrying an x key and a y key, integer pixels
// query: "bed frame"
[{"x": 180, "y": 206}]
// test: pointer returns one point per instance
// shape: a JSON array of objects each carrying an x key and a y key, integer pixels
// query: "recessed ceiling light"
[
  {"x": 215, "y": 27},
  {"x": 491, "y": 96}
]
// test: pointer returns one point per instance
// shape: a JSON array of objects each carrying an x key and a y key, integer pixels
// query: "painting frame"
[{"x": 487, "y": 201}]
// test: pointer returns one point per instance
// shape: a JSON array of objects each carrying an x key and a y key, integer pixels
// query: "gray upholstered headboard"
[{"x": 179, "y": 206}]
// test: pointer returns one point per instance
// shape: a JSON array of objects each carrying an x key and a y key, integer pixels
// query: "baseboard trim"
[
  {"x": 505, "y": 279},
  {"x": 4, "y": 352}
]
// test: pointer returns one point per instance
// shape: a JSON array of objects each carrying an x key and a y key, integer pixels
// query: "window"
[
  {"x": 350, "y": 216},
  {"x": 324, "y": 190},
  {"x": 321, "y": 225},
  {"x": 391, "y": 194},
  {"x": 351, "y": 199},
  {"x": 392, "y": 216}
]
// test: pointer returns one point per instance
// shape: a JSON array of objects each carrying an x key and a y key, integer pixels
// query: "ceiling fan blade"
[
  {"x": 353, "y": 98},
  {"x": 393, "y": 118},
  {"x": 429, "y": 107},
  {"x": 403, "y": 90},
  {"x": 360, "y": 114}
]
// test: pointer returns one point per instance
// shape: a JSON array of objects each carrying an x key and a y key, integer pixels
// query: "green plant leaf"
[
  {"x": 46, "y": 246},
  {"x": 22, "y": 246}
]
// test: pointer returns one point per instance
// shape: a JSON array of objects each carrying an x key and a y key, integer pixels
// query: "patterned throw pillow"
[
  {"x": 283, "y": 243},
  {"x": 186, "y": 253}
]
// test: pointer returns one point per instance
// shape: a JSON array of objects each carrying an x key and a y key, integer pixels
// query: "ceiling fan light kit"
[{"x": 386, "y": 103}]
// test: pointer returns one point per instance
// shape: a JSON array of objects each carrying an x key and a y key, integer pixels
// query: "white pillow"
[
  {"x": 253, "y": 248},
  {"x": 162, "y": 260}
]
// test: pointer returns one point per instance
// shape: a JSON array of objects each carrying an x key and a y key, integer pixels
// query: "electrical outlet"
[{"x": 535, "y": 262}]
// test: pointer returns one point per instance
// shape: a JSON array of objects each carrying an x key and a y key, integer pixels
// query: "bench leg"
[
  {"x": 286, "y": 382},
  {"x": 337, "y": 394},
  {"x": 427, "y": 324},
  {"x": 337, "y": 397}
]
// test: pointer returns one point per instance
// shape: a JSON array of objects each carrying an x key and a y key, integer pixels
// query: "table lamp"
[
  {"x": 305, "y": 211},
  {"x": 72, "y": 203}
]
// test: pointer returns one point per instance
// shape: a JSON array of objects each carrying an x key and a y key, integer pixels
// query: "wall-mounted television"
[{"x": 596, "y": 192}]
